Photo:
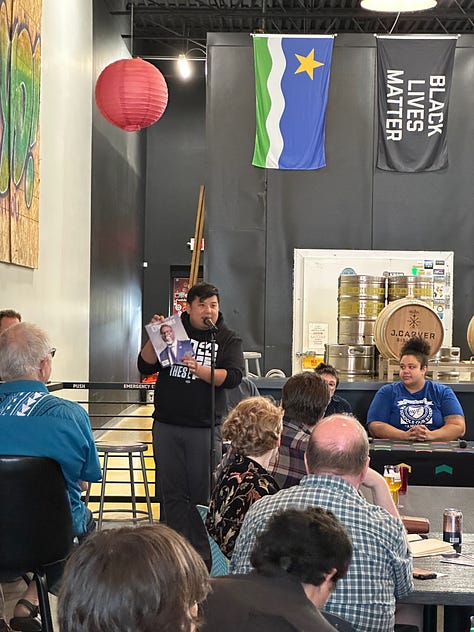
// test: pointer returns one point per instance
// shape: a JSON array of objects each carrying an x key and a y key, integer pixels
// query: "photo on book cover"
[{"x": 170, "y": 341}]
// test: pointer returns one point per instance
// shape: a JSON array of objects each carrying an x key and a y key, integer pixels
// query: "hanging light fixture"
[
  {"x": 398, "y": 6},
  {"x": 184, "y": 67}
]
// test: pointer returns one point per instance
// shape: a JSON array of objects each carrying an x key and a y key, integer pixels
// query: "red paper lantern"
[{"x": 131, "y": 94}]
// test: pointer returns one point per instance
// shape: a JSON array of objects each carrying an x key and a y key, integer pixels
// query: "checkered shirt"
[
  {"x": 381, "y": 567},
  {"x": 289, "y": 468}
]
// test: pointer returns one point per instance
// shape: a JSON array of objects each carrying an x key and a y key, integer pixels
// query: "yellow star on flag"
[{"x": 307, "y": 64}]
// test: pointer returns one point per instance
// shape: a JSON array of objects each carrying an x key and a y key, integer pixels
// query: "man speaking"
[{"x": 182, "y": 416}]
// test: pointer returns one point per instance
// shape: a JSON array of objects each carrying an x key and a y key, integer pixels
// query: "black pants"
[{"x": 183, "y": 462}]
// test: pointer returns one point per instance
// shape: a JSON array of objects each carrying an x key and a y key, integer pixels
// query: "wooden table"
[{"x": 455, "y": 586}]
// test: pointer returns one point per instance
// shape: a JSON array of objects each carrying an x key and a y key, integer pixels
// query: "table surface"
[
  {"x": 455, "y": 586},
  {"x": 430, "y": 502}
]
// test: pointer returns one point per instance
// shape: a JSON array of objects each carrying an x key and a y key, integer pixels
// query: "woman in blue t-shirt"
[{"x": 415, "y": 408}]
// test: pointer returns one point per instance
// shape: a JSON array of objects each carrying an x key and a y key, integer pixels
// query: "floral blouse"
[{"x": 240, "y": 484}]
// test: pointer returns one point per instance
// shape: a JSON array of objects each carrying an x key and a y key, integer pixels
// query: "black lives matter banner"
[{"x": 414, "y": 81}]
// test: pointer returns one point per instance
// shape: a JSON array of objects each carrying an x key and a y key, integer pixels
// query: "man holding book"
[{"x": 182, "y": 416}]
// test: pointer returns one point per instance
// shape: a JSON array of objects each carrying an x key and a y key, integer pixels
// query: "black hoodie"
[{"x": 185, "y": 400}]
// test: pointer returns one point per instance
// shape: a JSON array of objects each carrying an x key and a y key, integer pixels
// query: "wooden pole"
[{"x": 198, "y": 231}]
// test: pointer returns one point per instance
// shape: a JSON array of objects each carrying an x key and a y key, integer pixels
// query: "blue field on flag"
[{"x": 291, "y": 91}]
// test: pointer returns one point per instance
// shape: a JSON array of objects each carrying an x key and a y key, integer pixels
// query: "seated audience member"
[
  {"x": 337, "y": 460},
  {"x": 143, "y": 579},
  {"x": 304, "y": 398},
  {"x": 35, "y": 423},
  {"x": 8, "y": 317},
  {"x": 330, "y": 376},
  {"x": 254, "y": 429},
  {"x": 415, "y": 408},
  {"x": 297, "y": 562},
  {"x": 244, "y": 390}
]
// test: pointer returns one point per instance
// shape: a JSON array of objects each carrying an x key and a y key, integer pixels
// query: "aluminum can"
[{"x": 452, "y": 528}]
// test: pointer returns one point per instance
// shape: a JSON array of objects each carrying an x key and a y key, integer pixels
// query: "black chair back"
[{"x": 36, "y": 521}]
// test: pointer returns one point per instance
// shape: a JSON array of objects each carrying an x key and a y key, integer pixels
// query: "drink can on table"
[{"x": 452, "y": 528}]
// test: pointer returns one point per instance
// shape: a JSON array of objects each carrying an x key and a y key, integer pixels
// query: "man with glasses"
[{"x": 35, "y": 423}]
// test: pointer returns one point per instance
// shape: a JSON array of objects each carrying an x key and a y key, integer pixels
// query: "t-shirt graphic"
[
  {"x": 415, "y": 412},
  {"x": 202, "y": 353}
]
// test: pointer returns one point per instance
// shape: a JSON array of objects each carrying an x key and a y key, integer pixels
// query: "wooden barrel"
[
  {"x": 414, "y": 287},
  {"x": 404, "y": 319},
  {"x": 361, "y": 298},
  {"x": 470, "y": 335}
]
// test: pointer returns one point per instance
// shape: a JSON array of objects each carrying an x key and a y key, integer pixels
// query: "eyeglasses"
[{"x": 53, "y": 352}]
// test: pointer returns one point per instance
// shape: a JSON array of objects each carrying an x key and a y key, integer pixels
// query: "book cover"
[
  {"x": 170, "y": 341},
  {"x": 428, "y": 546}
]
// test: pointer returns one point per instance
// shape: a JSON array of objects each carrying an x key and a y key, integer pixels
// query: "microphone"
[{"x": 209, "y": 324}]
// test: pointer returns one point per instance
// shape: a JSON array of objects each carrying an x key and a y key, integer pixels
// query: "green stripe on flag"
[{"x": 263, "y": 65}]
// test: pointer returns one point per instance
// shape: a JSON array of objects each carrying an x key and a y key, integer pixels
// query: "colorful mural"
[{"x": 20, "y": 68}]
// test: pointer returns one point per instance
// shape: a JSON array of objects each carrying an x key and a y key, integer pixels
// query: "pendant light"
[{"x": 397, "y": 6}]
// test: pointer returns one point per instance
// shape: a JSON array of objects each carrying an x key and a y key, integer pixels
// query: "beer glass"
[{"x": 392, "y": 475}]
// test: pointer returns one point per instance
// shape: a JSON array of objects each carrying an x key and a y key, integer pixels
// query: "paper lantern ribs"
[{"x": 131, "y": 94}]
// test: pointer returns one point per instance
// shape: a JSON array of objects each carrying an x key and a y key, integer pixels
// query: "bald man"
[{"x": 337, "y": 462}]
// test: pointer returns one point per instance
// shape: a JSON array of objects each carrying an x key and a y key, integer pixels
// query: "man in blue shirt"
[{"x": 35, "y": 423}]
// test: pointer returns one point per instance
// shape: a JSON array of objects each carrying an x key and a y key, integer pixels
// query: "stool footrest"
[{"x": 121, "y": 510}]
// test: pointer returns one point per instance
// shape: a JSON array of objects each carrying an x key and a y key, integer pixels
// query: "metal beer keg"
[
  {"x": 418, "y": 287},
  {"x": 361, "y": 298}
]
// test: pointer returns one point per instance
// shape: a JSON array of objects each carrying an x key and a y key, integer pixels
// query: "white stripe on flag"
[{"x": 278, "y": 102}]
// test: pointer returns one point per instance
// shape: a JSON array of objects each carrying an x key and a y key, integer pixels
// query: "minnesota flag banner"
[
  {"x": 414, "y": 82},
  {"x": 291, "y": 90}
]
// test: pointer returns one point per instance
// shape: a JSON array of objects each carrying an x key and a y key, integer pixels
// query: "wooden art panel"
[{"x": 20, "y": 69}]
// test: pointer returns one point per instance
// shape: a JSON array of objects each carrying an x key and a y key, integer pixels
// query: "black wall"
[
  {"x": 118, "y": 210},
  {"x": 256, "y": 217},
  {"x": 176, "y": 167}
]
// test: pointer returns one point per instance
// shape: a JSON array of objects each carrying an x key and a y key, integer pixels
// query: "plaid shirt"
[
  {"x": 289, "y": 468},
  {"x": 381, "y": 567}
]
